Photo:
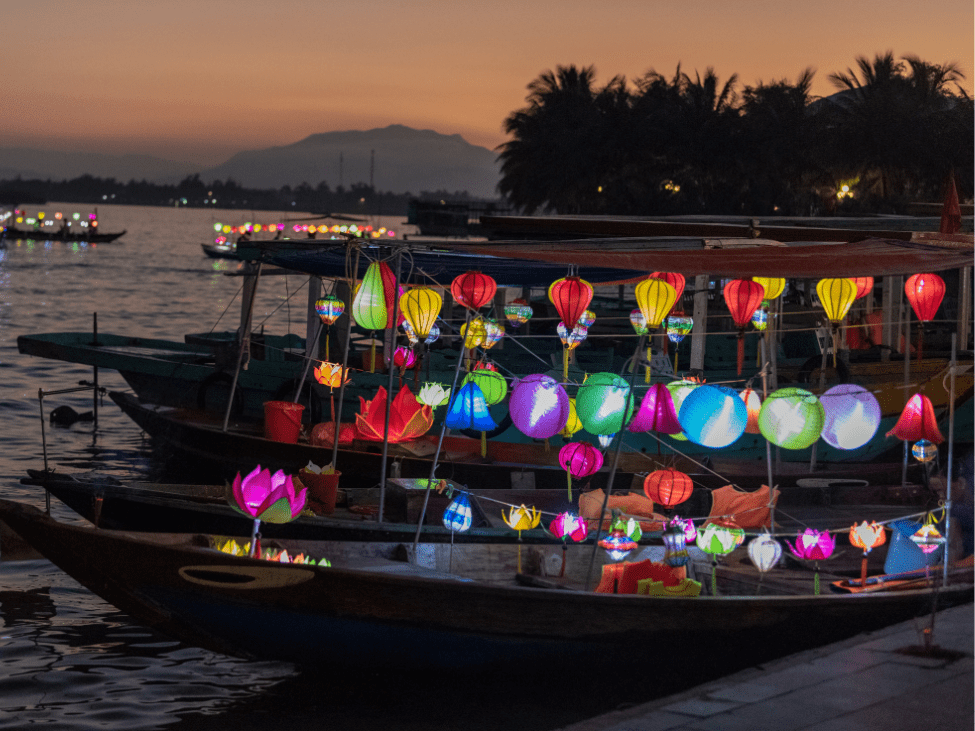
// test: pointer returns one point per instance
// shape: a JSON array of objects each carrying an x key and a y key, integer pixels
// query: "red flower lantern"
[
  {"x": 743, "y": 297},
  {"x": 473, "y": 289},
  {"x": 668, "y": 487},
  {"x": 924, "y": 292},
  {"x": 674, "y": 279},
  {"x": 917, "y": 421},
  {"x": 571, "y": 296},
  {"x": 579, "y": 459}
]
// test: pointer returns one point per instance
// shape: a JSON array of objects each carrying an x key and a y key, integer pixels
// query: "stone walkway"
[{"x": 865, "y": 683}]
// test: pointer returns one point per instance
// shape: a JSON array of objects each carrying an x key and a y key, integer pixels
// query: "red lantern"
[
  {"x": 668, "y": 487},
  {"x": 924, "y": 292},
  {"x": 743, "y": 297},
  {"x": 917, "y": 421},
  {"x": 571, "y": 296},
  {"x": 473, "y": 289},
  {"x": 864, "y": 285},
  {"x": 674, "y": 279}
]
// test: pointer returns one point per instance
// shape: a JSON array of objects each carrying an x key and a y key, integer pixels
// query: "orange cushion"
[{"x": 747, "y": 509}]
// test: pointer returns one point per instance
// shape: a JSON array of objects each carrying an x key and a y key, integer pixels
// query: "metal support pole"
[
  {"x": 951, "y": 453},
  {"x": 337, "y": 420},
  {"x": 245, "y": 341},
  {"x": 391, "y": 325}
]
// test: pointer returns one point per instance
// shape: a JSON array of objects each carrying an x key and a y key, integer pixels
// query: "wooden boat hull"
[
  {"x": 86, "y": 237},
  {"x": 368, "y": 615}
]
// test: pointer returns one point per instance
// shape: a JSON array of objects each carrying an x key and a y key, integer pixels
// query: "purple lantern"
[
  {"x": 851, "y": 416},
  {"x": 539, "y": 406},
  {"x": 656, "y": 412}
]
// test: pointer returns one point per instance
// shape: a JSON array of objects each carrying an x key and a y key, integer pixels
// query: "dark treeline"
[
  {"x": 194, "y": 193},
  {"x": 694, "y": 144}
]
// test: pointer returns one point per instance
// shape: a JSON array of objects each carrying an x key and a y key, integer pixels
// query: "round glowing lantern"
[
  {"x": 924, "y": 451},
  {"x": 604, "y": 403},
  {"x": 474, "y": 333},
  {"x": 369, "y": 303},
  {"x": 925, "y": 292},
  {"x": 572, "y": 424},
  {"x": 680, "y": 390},
  {"x": 743, "y": 297},
  {"x": 579, "y": 459},
  {"x": 518, "y": 312},
  {"x": 458, "y": 517},
  {"x": 656, "y": 299},
  {"x": 668, "y": 487},
  {"x": 836, "y": 296},
  {"x": 473, "y": 289},
  {"x": 713, "y": 416},
  {"x": 468, "y": 410},
  {"x": 674, "y": 279},
  {"x": 864, "y": 286},
  {"x": 753, "y": 403},
  {"x": 329, "y": 308},
  {"x": 764, "y": 552},
  {"x": 851, "y": 416},
  {"x": 539, "y": 406},
  {"x": 571, "y": 296},
  {"x": 774, "y": 286},
  {"x": 492, "y": 384},
  {"x": 421, "y": 307},
  {"x": 656, "y": 412},
  {"x": 791, "y": 418},
  {"x": 638, "y": 321}
]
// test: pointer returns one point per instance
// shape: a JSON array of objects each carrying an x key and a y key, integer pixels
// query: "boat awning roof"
[{"x": 734, "y": 258}]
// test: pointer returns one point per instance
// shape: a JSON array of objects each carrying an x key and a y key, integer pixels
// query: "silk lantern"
[
  {"x": 638, "y": 321},
  {"x": 678, "y": 327},
  {"x": 774, "y": 286},
  {"x": 813, "y": 545},
  {"x": 473, "y": 289},
  {"x": 586, "y": 319},
  {"x": 680, "y": 390},
  {"x": 674, "y": 279},
  {"x": 765, "y": 552},
  {"x": 656, "y": 412},
  {"x": 668, "y": 487},
  {"x": 571, "y": 296},
  {"x": 572, "y": 424},
  {"x": 713, "y": 416},
  {"x": 864, "y": 286},
  {"x": 851, "y": 416},
  {"x": 924, "y": 451},
  {"x": 917, "y": 421},
  {"x": 579, "y": 459},
  {"x": 605, "y": 440},
  {"x": 791, "y": 418},
  {"x": 753, "y": 404},
  {"x": 492, "y": 384},
  {"x": 421, "y": 307},
  {"x": 433, "y": 394},
  {"x": 924, "y": 292},
  {"x": 867, "y": 536},
  {"x": 474, "y": 333},
  {"x": 369, "y": 303},
  {"x": 539, "y": 406},
  {"x": 468, "y": 410},
  {"x": 675, "y": 546},
  {"x": 656, "y": 299},
  {"x": 457, "y": 518},
  {"x": 836, "y": 296},
  {"x": 518, "y": 312},
  {"x": 743, "y": 297},
  {"x": 604, "y": 403},
  {"x": 329, "y": 308}
]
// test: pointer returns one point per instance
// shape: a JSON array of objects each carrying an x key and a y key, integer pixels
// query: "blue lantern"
[
  {"x": 457, "y": 517},
  {"x": 713, "y": 416},
  {"x": 468, "y": 410}
]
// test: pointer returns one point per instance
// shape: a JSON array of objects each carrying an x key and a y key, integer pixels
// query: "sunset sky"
[{"x": 200, "y": 80}]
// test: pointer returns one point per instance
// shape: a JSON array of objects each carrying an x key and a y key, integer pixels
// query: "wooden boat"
[
  {"x": 456, "y": 608},
  {"x": 220, "y": 251},
  {"x": 82, "y": 236}
]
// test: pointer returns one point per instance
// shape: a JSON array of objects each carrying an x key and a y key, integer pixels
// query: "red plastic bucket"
[{"x": 282, "y": 421}]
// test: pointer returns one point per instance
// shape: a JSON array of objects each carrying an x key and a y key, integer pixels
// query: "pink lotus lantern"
[
  {"x": 579, "y": 459},
  {"x": 656, "y": 412},
  {"x": 567, "y": 525},
  {"x": 539, "y": 406},
  {"x": 263, "y": 496},
  {"x": 813, "y": 545},
  {"x": 917, "y": 421},
  {"x": 404, "y": 358},
  {"x": 690, "y": 531}
]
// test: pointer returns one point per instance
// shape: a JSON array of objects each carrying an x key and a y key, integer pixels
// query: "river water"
[{"x": 68, "y": 660}]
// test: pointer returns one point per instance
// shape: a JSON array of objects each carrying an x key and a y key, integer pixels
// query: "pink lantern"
[
  {"x": 539, "y": 406},
  {"x": 567, "y": 525},
  {"x": 404, "y": 358},
  {"x": 657, "y": 412},
  {"x": 917, "y": 421},
  {"x": 579, "y": 459}
]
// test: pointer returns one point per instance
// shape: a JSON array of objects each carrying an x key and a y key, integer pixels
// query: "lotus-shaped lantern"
[
  {"x": 568, "y": 525},
  {"x": 521, "y": 518},
  {"x": 263, "y": 496},
  {"x": 813, "y": 545},
  {"x": 331, "y": 374},
  {"x": 867, "y": 536},
  {"x": 433, "y": 394},
  {"x": 408, "y": 419}
]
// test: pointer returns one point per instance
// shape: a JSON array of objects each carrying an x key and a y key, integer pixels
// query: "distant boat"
[{"x": 85, "y": 235}]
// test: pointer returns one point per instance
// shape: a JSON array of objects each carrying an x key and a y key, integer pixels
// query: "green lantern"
[
  {"x": 791, "y": 418},
  {"x": 369, "y": 302},
  {"x": 604, "y": 404},
  {"x": 492, "y": 384}
]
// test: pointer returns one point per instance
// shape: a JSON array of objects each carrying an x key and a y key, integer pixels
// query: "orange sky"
[{"x": 198, "y": 81}]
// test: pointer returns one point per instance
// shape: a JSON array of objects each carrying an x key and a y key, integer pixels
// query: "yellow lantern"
[
  {"x": 521, "y": 518},
  {"x": 837, "y": 295},
  {"x": 421, "y": 307},
  {"x": 655, "y": 298},
  {"x": 573, "y": 423},
  {"x": 774, "y": 286},
  {"x": 474, "y": 334}
]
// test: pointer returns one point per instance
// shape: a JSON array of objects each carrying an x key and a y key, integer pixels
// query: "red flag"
[{"x": 950, "y": 210}]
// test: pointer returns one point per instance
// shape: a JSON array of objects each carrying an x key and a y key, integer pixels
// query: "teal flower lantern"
[
  {"x": 713, "y": 416},
  {"x": 791, "y": 418},
  {"x": 604, "y": 404}
]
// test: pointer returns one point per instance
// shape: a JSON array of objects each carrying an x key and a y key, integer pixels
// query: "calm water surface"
[{"x": 68, "y": 660}]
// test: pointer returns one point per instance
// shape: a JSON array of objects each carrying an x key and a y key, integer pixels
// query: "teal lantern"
[
  {"x": 791, "y": 418},
  {"x": 457, "y": 517},
  {"x": 468, "y": 410},
  {"x": 713, "y": 416},
  {"x": 604, "y": 404}
]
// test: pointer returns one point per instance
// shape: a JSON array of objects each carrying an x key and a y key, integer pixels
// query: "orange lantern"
[
  {"x": 867, "y": 536},
  {"x": 571, "y": 296},
  {"x": 743, "y": 297},
  {"x": 473, "y": 289},
  {"x": 668, "y": 487},
  {"x": 864, "y": 286}
]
